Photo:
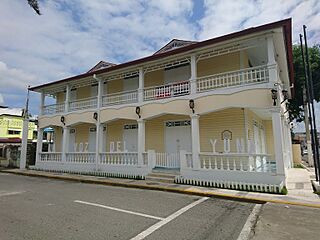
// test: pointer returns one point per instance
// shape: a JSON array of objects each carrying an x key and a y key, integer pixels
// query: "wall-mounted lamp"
[
  {"x": 138, "y": 111},
  {"x": 191, "y": 105},
  {"x": 62, "y": 119},
  {"x": 285, "y": 95},
  {"x": 274, "y": 96},
  {"x": 95, "y": 116}
]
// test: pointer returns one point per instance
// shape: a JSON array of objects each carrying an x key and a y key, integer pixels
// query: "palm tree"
[{"x": 35, "y": 6}]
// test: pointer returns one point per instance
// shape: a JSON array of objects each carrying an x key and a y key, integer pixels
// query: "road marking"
[
  {"x": 4, "y": 193},
  {"x": 158, "y": 225},
  {"x": 251, "y": 221},
  {"x": 119, "y": 210}
]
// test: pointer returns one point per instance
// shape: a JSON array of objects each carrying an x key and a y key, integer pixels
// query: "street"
[{"x": 39, "y": 208}]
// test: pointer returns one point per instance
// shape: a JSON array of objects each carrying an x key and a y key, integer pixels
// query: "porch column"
[
  {"x": 141, "y": 85},
  {"x": 99, "y": 133},
  {"x": 42, "y": 98},
  {"x": 141, "y": 141},
  {"x": 272, "y": 64},
  {"x": 100, "y": 93},
  {"x": 193, "y": 77},
  {"x": 65, "y": 143},
  {"x": 195, "y": 136},
  {"x": 39, "y": 144},
  {"x": 66, "y": 103},
  {"x": 278, "y": 141}
]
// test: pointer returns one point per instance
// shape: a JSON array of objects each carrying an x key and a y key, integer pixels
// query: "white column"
[
  {"x": 193, "y": 77},
  {"x": 100, "y": 93},
  {"x": 67, "y": 100},
  {"x": 278, "y": 141},
  {"x": 65, "y": 143},
  {"x": 42, "y": 98},
  {"x": 141, "y": 85},
  {"x": 195, "y": 136},
  {"x": 39, "y": 144},
  {"x": 24, "y": 143},
  {"x": 272, "y": 64},
  {"x": 99, "y": 134},
  {"x": 141, "y": 141}
]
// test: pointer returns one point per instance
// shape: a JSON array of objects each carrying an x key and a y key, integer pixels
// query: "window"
[{"x": 13, "y": 132}]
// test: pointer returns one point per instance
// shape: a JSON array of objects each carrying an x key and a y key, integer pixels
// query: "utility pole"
[
  {"x": 307, "y": 127},
  {"x": 25, "y": 131}
]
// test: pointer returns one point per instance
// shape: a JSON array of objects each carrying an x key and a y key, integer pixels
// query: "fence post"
[
  {"x": 183, "y": 160},
  {"x": 151, "y": 159}
]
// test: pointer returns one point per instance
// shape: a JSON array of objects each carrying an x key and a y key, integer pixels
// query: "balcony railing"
[
  {"x": 254, "y": 75},
  {"x": 119, "y": 158},
  {"x": 120, "y": 98},
  {"x": 53, "y": 109},
  {"x": 258, "y": 74},
  {"x": 50, "y": 157},
  {"x": 88, "y": 157},
  {"x": 86, "y": 103},
  {"x": 167, "y": 91}
]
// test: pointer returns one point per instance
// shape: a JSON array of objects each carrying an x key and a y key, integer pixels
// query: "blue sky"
[{"x": 71, "y": 36}]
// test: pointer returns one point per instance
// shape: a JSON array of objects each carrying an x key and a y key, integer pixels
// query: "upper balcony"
[{"x": 238, "y": 66}]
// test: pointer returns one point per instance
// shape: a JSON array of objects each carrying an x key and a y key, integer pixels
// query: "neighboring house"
[
  {"x": 215, "y": 111},
  {"x": 11, "y": 123}
]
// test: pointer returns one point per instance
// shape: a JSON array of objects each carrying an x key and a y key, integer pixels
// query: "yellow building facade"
[{"x": 214, "y": 111}]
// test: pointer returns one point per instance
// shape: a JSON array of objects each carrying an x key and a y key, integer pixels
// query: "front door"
[
  {"x": 130, "y": 138},
  {"x": 178, "y": 136},
  {"x": 92, "y": 139}
]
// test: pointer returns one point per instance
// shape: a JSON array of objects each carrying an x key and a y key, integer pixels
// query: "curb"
[{"x": 256, "y": 200}]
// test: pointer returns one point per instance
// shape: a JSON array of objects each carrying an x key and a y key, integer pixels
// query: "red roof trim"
[{"x": 285, "y": 24}]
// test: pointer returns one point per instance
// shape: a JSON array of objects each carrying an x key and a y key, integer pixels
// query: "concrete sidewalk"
[{"x": 296, "y": 194}]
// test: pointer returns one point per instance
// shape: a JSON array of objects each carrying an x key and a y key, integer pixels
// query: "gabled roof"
[
  {"x": 174, "y": 44},
  {"x": 101, "y": 65},
  {"x": 284, "y": 24}
]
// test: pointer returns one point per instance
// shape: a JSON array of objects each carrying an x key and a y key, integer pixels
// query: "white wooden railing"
[
  {"x": 237, "y": 162},
  {"x": 87, "y": 157},
  {"x": 119, "y": 158},
  {"x": 120, "y": 98},
  {"x": 53, "y": 109},
  {"x": 258, "y": 74},
  {"x": 50, "y": 157},
  {"x": 167, "y": 91},
  {"x": 167, "y": 160},
  {"x": 86, "y": 103}
]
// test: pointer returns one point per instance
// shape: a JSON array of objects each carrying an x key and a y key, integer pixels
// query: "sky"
[{"x": 71, "y": 36}]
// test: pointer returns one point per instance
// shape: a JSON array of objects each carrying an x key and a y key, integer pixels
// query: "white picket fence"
[
  {"x": 121, "y": 158},
  {"x": 83, "y": 157},
  {"x": 167, "y": 160},
  {"x": 50, "y": 157}
]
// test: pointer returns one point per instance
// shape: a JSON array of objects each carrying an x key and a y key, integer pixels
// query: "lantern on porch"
[
  {"x": 191, "y": 105},
  {"x": 62, "y": 119},
  {"x": 95, "y": 116},
  {"x": 274, "y": 96},
  {"x": 285, "y": 95},
  {"x": 138, "y": 111}
]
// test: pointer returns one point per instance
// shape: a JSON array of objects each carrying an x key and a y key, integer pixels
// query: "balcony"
[{"x": 243, "y": 77}]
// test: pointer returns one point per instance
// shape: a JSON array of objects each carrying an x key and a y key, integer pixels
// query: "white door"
[
  {"x": 178, "y": 138},
  {"x": 72, "y": 140},
  {"x": 130, "y": 138},
  {"x": 92, "y": 139}
]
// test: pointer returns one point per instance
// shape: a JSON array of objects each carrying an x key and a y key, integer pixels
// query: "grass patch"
[
  {"x": 298, "y": 165},
  {"x": 284, "y": 191}
]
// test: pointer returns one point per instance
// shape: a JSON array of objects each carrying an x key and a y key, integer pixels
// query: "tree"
[
  {"x": 34, "y": 4},
  {"x": 296, "y": 103}
]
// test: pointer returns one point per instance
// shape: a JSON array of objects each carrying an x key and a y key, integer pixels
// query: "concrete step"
[
  {"x": 160, "y": 179},
  {"x": 162, "y": 175}
]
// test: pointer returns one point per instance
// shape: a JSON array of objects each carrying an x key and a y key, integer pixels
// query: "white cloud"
[
  {"x": 222, "y": 17},
  {"x": 1, "y": 99}
]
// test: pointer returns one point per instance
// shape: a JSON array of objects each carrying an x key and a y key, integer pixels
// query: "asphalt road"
[{"x": 38, "y": 208}]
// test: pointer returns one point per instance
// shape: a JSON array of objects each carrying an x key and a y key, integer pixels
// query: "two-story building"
[{"x": 215, "y": 111}]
